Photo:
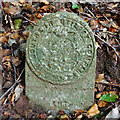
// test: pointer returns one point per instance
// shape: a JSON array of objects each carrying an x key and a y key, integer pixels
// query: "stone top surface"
[{"x": 61, "y": 48}]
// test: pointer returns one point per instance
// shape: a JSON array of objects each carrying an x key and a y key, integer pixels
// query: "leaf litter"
[{"x": 19, "y": 19}]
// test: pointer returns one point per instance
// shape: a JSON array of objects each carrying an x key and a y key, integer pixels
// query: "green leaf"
[
  {"x": 109, "y": 97},
  {"x": 17, "y": 23},
  {"x": 75, "y": 6}
]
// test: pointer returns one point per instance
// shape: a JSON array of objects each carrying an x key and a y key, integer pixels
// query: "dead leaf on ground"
[
  {"x": 18, "y": 91},
  {"x": 98, "y": 95},
  {"x": 64, "y": 117},
  {"x": 16, "y": 61},
  {"x": 7, "y": 84},
  {"x": 44, "y": 1},
  {"x": 5, "y": 52},
  {"x": 100, "y": 78},
  {"x": 93, "y": 110},
  {"x": 22, "y": 105},
  {"x": 102, "y": 103}
]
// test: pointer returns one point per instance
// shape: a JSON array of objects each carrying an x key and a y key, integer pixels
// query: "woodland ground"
[{"x": 104, "y": 20}]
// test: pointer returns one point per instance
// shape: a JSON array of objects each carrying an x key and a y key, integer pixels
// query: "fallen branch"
[
  {"x": 108, "y": 45},
  {"x": 17, "y": 81}
]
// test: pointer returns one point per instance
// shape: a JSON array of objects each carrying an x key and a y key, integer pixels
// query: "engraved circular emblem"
[{"x": 61, "y": 48}]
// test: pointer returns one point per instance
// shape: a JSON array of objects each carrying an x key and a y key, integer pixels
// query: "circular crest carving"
[{"x": 61, "y": 48}]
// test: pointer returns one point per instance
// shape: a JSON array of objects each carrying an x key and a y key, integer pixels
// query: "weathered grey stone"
[{"x": 61, "y": 60}]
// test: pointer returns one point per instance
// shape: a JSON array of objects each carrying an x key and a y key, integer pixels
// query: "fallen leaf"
[
  {"x": 11, "y": 41},
  {"x": 102, "y": 103},
  {"x": 7, "y": 84},
  {"x": 18, "y": 90},
  {"x": 100, "y": 78},
  {"x": 109, "y": 97},
  {"x": 93, "y": 110},
  {"x": 13, "y": 10},
  {"x": 17, "y": 23},
  {"x": 22, "y": 105},
  {"x": 39, "y": 16},
  {"x": 44, "y": 1},
  {"x": 16, "y": 61},
  {"x": 3, "y": 39},
  {"x": 64, "y": 117},
  {"x": 79, "y": 112},
  {"x": 98, "y": 95},
  {"x": 4, "y": 52},
  {"x": 45, "y": 8},
  {"x": 111, "y": 6},
  {"x": 79, "y": 117},
  {"x": 75, "y": 6},
  {"x": 14, "y": 36},
  {"x": 94, "y": 24},
  {"x": 112, "y": 29}
]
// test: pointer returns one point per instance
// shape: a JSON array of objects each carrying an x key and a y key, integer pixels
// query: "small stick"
[
  {"x": 110, "y": 84},
  {"x": 13, "y": 64},
  {"x": 28, "y": 20},
  {"x": 91, "y": 13},
  {"x": 108, "y": 45},
  {"x": 11, "y": 24},
  {"x": 12, "y": 86}
]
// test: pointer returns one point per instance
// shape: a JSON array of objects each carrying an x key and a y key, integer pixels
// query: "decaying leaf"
[
  {"x": 7, "y": 84},
  {"x": 64, "y": 117},
  {"x": 11, "y": 41},
  {"x": 98, "y": 95},
  {"x": 18, "y": 91},
  {"x": 44, "y": 1},
  {"x": 100, "y": 78},
  {"x": 16, "y": 61},
  {"x": 93, "y": 110},
  {"x": 102, "y": 103}
]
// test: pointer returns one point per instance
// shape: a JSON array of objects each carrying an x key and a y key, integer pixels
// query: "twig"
[
  {"x": 110, "y": 84},
  {"x": 108, "y": 45},
  {"x": 28, "y": 19},
  {"x": 17, "y": 81},
  {"x": 13, "y": 64},
  {"x": 86, "y": 14},
  {"x": 91, "y": 13},
  {"x": 11, "y": 23},
  {"x": 9, "y": 34}
]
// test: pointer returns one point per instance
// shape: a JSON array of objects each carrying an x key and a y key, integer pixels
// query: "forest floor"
[{"x": 104, "y": 20}]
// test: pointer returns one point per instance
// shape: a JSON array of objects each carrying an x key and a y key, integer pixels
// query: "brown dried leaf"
[
  {"x": 102, "y": 103},
  {"x": 22, "y": 105},
  {"x": 93, "y": 110},
  {"x": 39, "y": 16},
  {"x": 64, "y": 117},
  {"x": 98, "y": 95},
  {"x": 111, "y": 6},
  {"x": 14, "y": 36},
  {"x": 16, "y": 61},
  {"x": 45, "y": 8},
  {"x": 13, "y": 10},
  {"x": 100, "y": 78},
  {"x": 4, "y": 52},
  {"x": 44, "y": 1},
  {"x": 18, "y": 91},
  {"x": 7, "y": 84},
  {"x": 94, "y": 24}
]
